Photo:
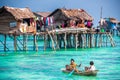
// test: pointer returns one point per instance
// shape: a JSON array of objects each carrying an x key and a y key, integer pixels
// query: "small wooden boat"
[{"x": 82, "y": 73}]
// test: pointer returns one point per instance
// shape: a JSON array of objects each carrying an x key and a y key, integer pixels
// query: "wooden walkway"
[
  {"x": 62, "y": 38},
  {"x": 78, "y": 37}
]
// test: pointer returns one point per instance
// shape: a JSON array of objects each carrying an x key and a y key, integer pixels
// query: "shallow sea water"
[{"x": 47, "y": 65}]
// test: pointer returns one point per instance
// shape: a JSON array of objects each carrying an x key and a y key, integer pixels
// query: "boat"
[{"x": 82, "y": 73}]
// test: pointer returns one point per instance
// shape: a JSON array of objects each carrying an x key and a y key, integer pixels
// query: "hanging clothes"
[
  {"x": 32, "y": 22},
  {"x": 46, "y": 22},
  {"x": 49, "y": 21}
]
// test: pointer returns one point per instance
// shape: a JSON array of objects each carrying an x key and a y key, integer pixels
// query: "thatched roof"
[
  {"x": 18, "y": 13},
  {"x": 42, "y": 14},
  {"x": 73, "y": 14}
]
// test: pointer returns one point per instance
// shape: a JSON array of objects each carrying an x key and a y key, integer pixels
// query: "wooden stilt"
[
  {"x": 24, "y": 42},
  {"x": 106, "y": 39},
  {"x": 83, "y": 41},
  {"x": 65, "y": 41},
  {"x": 90, "y": 40},
  {"x": 55, "y": 40},
  {"x": 111, "y": 40},
  {"x": 35, "y": 43},
  {"x": 70, "y": 40},
  {"x": 5, "y": 42},
  {"x": 76, "y": 40},
  {"x": 93, "y": 40},
  {"x": 86, "y": 40},
  {"x": 100, "y": 40},
  {"x": 60, "y": 40},
  {"x": 80, "y": 40},
  {"x": 96, "y": 39},
  {"x": 53, "y": 46},
  {"x": 48, "y": 41},
  {"x": 84, "y": 35},
  {"x": 45, "y": 41},
  {"x": 15, "y": 43}
]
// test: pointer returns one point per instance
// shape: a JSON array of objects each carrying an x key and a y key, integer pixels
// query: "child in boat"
[
  {"x": 73, "y": 65},
  {"x": 68, "y": 68},
  {"x": 91, "y": 68}
]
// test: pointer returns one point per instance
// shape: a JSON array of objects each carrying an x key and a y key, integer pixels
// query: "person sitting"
[
  {"x": 81, "y": 24},
  {"x": 89, "y": 24},
  {"x": 91, "y": 68},
  {"x": 73, "y": 65},
  {"x": 68, "y": 68}
]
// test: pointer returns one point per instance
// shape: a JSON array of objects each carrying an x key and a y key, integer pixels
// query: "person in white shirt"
[{"x": 91, "y": 68}]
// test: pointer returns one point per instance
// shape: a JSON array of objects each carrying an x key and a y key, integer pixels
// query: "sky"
[{"x": 110, "y": 8}]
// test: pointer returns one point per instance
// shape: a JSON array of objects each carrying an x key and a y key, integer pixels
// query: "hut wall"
[
  {"x": 5, "y": 19},
  {"x": 59, "y": 17}
]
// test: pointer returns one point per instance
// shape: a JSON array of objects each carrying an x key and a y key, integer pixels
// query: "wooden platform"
[{"x": 63, "y": 38}]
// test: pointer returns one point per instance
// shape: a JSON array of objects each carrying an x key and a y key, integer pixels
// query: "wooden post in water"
[
  {"x": 96, "y": 38},
  {"x": 48, "y": 41},
  {"x": 111, "y": 40},
  {"x": 106, "y": 39},
  {"x": 81, "y": 41},
  {"x": 84, "y": 36},
  {"x": 65, "y": 41},
  {"x": 15, "y": 43},
  {"x": 88, "y": 40},
  {"x": 35, "y": 43},
  {"x": 5, "y": 42},
  {"x": 24, "y": 42},
  {"x": 55, "y": 40},
  {"x": 91, "y": 40},
  {"x": 68, "y": 40},
  {"x": 100, "y": 40},
  {"x": 76, "y": 40},
  {"x": 45, "y": 41}
]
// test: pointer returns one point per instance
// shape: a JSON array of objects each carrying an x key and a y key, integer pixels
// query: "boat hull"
[{"x": 81, "y": 73}]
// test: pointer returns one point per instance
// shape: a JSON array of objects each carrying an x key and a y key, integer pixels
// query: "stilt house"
[
  {"x": 16, "y": 20},
  {"x": 66, "y": 15}
]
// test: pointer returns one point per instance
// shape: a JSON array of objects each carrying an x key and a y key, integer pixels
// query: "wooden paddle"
[{"x": 71, "y": 72}]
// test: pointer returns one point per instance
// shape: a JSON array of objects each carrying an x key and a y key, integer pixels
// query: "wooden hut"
[
  {"x": 16, "y": 20},
  {"x": 66, "y": 15}
]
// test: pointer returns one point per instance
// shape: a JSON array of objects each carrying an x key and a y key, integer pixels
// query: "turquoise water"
[{"x": 46, "y": 65}]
